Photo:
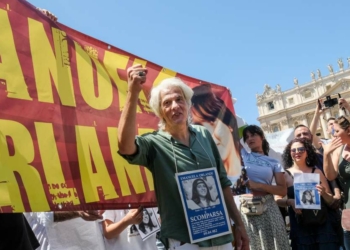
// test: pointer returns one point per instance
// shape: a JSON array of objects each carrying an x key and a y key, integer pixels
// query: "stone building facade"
[{"x": 280, "y": 110}]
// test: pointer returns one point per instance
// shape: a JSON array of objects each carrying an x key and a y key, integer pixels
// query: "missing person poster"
[
  {"x": 305, "y": 192},
  {"x": 149, "y": 224},
  {"x": 204, "y": 204}
]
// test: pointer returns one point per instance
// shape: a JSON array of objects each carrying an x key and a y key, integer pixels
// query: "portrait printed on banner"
[{"x": 210, "y": 111}]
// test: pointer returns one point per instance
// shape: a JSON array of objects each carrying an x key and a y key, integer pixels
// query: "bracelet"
[{"x": 287, "y": 202}]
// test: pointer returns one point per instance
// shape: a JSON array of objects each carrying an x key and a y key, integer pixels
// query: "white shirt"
[
  {"x": 130, "y": 238},
  {"x": 74, "y": 234},
  {"x": 38, "y": 223}
]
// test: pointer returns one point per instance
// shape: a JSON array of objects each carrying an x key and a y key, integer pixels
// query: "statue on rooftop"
[
  {"x": 340, "y": 64},
  {"x": 330, "y": 68},
  {"x": 296, "y": 82},
  {"x": 312, "y": 76}
]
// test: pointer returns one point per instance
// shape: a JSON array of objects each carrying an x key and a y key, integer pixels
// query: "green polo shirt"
[{"x": 158, "y": 151}]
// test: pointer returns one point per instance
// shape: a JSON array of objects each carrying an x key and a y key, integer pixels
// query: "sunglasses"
[{"x": 298, "y": 150}]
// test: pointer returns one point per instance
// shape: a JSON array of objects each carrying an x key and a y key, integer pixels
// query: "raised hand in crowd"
[{"x": 313, "y": 126}]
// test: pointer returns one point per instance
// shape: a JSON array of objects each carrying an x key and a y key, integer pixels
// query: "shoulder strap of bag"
[{"x": 289, "y": 173}]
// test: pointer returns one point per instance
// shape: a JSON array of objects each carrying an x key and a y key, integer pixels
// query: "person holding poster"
[
  {"x": 337, "y": 162},
  {"x": 267, "y": 230},
  {"x": 299, "y": 157},
  {"x": 176, "y": 147},
  {"x": 211, "y": 112},
  {"x": 120, "y": 230}
]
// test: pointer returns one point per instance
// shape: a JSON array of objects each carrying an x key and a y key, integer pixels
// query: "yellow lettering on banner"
[
  {"x": 123, "y": 168},
  {"x": 89, "y": 150},
  {"x": 52, "y": 165},
  {"x": 47, "y": 64},
  {"x": 163, "y": 74},
  {"x": 19, "y": 163},
  {"x": 86, "y": 81},
  {"x": 113, "y": 62},
  {"x": 10, "y": 68},
  {"x": 148, "y": 173}
]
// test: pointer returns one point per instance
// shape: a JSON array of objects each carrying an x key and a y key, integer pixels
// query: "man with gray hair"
[{"x": 176, "y": 147}]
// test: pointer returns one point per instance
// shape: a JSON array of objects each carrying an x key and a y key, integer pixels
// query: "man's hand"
[
  {"x": 241, "y": 238},
  {"x": 136, "y": 77}
]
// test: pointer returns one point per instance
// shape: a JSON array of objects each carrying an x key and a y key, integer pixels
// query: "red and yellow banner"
[{"x": 61, "y": 96}]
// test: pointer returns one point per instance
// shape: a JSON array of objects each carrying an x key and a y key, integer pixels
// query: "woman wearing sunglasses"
[{"x": 299, "y": 156}]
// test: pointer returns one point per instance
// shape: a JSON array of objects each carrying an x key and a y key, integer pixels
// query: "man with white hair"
[{"x": 176, "y": 147}]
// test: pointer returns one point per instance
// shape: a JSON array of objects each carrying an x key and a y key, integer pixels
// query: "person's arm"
[
  {"x": 313, "y": 126},
  {"x": 336, "y": 195},
  {"x": 286, "y": 202},
  {"x": 323, "y": 188},
  {"x": 331, "y": 156},
  {"x": 92, "y": 215},
  {"x": 282, "y": 200},
  {"x": 240, "y": 234},
  {"x": 114, "y": 229},
  {"x": 127, "y": 122},
  {"x": 278, "y": 189},
  {"x": 336, "y": 190}
]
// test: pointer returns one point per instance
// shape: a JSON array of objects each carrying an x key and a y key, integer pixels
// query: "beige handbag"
[{"x": 251, "y": 205}]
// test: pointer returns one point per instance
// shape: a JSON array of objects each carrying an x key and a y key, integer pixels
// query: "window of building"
[
  {"x": 291, "y": 101},
  {"x": 328, "y": 87},
  {"x": 336, "y": 115},
  {"x": 307, "y": 94},
  {"x": 275, "y": 128},
  {"x": 270, "y": 105}
]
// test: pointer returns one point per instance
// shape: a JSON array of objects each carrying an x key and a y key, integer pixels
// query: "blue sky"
[{"x": 238, "y": 44}]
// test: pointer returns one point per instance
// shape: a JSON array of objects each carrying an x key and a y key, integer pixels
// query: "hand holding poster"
[
  {"x": 305, "y": 192},
  {"x": 203, "y": 204},
  {"x": 149, "y": 225}
]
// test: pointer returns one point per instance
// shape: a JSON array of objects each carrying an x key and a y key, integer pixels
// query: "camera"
[{"x": 329, "y": 102}]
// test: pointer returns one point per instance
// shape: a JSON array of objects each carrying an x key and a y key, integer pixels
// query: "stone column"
[{"x": 304, "y": 120}]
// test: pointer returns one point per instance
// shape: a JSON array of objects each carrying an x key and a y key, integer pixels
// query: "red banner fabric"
[{"x": 61, "y": 96}]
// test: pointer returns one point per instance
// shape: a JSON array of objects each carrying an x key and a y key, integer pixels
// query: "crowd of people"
[{"x": 194, "y": 125}]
